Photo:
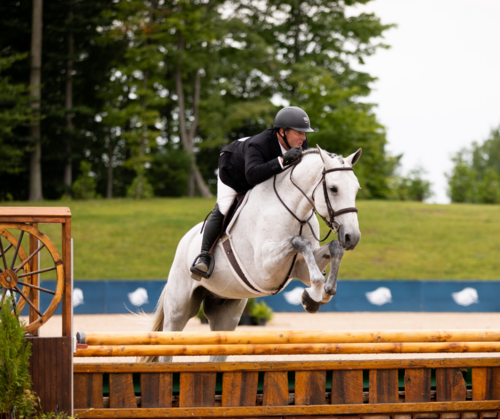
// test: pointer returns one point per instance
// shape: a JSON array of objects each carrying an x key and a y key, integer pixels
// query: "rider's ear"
[
  {"x": 353, "y": 158},
  {"x": 323, "y": 155}
]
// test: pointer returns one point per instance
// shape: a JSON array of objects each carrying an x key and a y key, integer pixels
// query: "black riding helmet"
[{"x": 294, "y": 118}]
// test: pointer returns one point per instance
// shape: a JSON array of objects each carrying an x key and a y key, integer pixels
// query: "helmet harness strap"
[{"x": 284, "y": 137}]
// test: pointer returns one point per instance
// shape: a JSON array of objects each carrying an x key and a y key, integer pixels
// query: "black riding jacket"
[{"x": 244, "y": 164}]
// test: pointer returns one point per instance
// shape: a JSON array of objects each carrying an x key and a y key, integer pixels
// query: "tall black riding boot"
[{"x": 202, "y": 264}]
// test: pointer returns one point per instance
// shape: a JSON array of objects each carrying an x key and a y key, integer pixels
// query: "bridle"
[{"x": 331, "y": 223}]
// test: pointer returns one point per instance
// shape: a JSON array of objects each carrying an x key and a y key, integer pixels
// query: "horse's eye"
[{"x": 334, "y": 189}]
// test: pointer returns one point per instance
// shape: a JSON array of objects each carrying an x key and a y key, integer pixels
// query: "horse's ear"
[
  {"x": 323, "y": 155},
  {"x": 353, "y": 158}
]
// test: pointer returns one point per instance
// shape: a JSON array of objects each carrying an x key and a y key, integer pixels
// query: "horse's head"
[{"x": 340, "y": 186}]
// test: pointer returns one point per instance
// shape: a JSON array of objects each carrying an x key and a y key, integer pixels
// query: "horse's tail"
[{"x": 157, "y": 324}]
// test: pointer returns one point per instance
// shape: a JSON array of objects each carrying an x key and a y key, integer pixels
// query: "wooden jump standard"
[{"x": 298, "y": 389}]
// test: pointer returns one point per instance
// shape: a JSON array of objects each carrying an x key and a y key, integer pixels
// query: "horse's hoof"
[
  {"x": 196, "y": 277},
  {"x": 308, "y": 303}
]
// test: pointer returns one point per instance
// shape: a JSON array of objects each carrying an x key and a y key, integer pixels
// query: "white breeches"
[{"x": 225, "y": 196}]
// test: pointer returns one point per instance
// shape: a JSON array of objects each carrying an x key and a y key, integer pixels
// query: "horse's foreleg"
[
  {"x": 313, "y": 296},
  {"x": 223, "y": 315},
  {"x": 336, "y": 253}
]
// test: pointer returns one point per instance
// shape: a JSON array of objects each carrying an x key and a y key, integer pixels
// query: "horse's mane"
[{"x": 316, "y": 151}]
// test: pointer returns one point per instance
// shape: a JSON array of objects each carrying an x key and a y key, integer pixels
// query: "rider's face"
[{"x": 295, "y": 138}]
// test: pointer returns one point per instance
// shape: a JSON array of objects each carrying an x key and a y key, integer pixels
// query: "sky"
[{"x": 438, "y": 87}]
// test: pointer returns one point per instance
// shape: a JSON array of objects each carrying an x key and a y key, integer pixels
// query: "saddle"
[{"x": 237, "y": 203}]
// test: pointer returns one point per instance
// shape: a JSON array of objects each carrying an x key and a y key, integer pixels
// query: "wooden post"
[
  {"x": 68, "y": 284},
  {"x": 35, "y": 294},
  {"x": 51, "y": 363}
]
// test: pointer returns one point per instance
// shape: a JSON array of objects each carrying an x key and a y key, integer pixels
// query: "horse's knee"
[
  {"x": 336, "y": 250},
  {"x": 301, "y": 244}
]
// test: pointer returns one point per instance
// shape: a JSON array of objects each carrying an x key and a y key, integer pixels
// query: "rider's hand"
[{"x": 292, "y": 155}]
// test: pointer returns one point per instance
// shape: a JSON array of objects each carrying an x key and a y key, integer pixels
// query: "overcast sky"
[{"x": 439, "y": 84}]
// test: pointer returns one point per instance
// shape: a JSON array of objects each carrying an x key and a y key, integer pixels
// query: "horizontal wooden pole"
[
  {"x": 292, "y": 411},
  {"x": 288, "y": 349},
  {"x": 324, "y": 365},
  {"x": 291, "y": 336}
]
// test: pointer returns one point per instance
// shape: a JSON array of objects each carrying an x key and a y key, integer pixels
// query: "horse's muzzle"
[{"x": 349, "y": 240}]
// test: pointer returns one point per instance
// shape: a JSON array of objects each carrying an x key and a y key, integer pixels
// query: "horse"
[{"x": 276, "y": 238}]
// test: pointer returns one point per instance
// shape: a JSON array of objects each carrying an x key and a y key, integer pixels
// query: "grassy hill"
[{"x": 127, "y": 239}]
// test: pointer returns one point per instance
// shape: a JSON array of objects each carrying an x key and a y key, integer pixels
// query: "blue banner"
[{"x": 118, "y": 296}]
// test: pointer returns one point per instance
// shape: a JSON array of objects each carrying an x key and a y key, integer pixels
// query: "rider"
[{"x": 247, "y": 162}]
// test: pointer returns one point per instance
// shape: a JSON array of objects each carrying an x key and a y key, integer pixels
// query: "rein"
[{"x": 331, "y": 223}]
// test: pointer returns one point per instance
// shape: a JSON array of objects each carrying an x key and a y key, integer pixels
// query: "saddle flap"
[{"x": 229, "y": 219}]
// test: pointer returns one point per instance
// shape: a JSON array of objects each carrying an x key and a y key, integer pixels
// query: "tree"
[
  {"x": 68, "y": 177},
  {"x": 461, "y": 180},
  {"x": 193, "y": 30},
  {"x": 35, "y": 92},
  {"x": 90, "y": 71},
  {"x": 314, "y": 44},
  {"x": 476, "y": 175},
  {"x": 488, "y": 187},
  {"x": 487, "y": 155},
  {"x": 130, "y": 86},
  {"x": 14, "y": 112},
  {"x": 85, "y": 184},
  {"x": 132, "y": 99},
  {"x": 413, "y": 187}
]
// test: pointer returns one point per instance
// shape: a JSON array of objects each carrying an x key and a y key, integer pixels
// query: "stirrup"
[{"x": 197, "y": 274}]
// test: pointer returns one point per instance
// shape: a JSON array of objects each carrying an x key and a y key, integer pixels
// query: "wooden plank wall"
[
  {"x": 170, "y": 390},
  {"x": 51, "y": 365}
]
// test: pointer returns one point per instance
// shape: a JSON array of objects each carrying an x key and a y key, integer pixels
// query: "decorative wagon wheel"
[{"x": 16, "y": 276}]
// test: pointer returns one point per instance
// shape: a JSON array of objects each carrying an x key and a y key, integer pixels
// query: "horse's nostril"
[{"x": 347, "y": 239}]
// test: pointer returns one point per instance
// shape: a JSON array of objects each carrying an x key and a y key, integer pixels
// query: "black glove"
[{"x": 292, "y": 155}]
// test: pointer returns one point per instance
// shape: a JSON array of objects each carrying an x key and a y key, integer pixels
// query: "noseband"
[{"x": 331, "y": 223}]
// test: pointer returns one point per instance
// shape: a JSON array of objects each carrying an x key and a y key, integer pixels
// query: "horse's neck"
[{"x": 306, "y": 176}]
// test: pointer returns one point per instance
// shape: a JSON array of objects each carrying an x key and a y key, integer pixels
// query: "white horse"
[{"x": 266, "y": 238}]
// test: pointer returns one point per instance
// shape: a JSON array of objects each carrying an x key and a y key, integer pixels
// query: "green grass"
[{"x": 127, "y": 239}]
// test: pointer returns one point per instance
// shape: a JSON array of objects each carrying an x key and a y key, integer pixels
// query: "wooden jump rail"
[
  {"x": 288, "y": 336},
  {"x": 287, "y": 349},
  {"x": 286, "y": 343},
  {"x": 294, "y": 389}
]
